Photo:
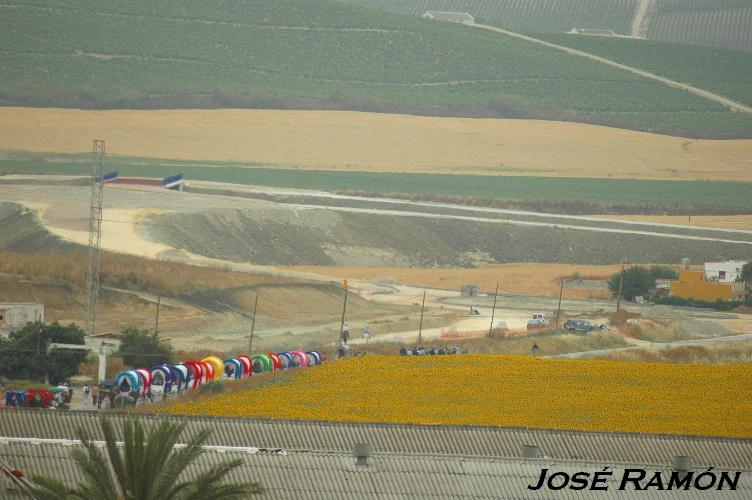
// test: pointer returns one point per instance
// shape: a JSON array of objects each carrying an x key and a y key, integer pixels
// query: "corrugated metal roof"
[
  {"x": 601, "y": 447},
  {"x": 335, "y": 475}
]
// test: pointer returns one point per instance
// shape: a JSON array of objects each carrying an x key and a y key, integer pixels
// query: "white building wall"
[
  {"x": 16, "y": 315},
  {"x": 725, "y": 272}
]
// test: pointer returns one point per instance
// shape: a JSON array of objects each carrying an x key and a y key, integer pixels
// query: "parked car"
[
  {"x": 579, "y": 325},
  {"x": 536, "y": 324},
  {"x": 543, "y": 318}
]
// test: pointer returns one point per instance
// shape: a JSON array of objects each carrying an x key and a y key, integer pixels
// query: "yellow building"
[{"x": 694, "y": 285}]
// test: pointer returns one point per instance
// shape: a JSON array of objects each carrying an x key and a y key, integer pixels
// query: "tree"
[
  {"x": 746, "y": 274},
  {"x": 663, "y": 272},
  {"x": 143, "y": 348},
  {"x": 637, "y": 281},
  {"x": 146, "y": 467},
  {"x": 23, "y": 355}
]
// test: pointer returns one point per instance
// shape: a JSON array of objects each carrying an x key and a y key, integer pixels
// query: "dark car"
[{"x": 579, "y": 325}]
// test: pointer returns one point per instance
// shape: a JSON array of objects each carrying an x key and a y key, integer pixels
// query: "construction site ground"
[{"x": 387, "y": 271}]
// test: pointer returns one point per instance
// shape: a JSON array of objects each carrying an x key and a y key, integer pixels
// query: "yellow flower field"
[{"x": 506, "y": 391}]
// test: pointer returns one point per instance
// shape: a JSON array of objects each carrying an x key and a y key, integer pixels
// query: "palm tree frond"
[
  {"x": 94, "y": 465},
  {"x": 47, "y": 488},
  {"x": 146, "y": 467},
  {"x": 160, "y": 445},
  {"x": 209, "y": 485},
  {"x": 113, "y": 451},
  {"x": 178, "y": 462}
]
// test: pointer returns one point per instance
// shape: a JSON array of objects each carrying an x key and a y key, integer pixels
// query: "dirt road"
[
  {"x": 641, "y": 19},
  {"x": 513, "y": 312},
  {"x": 325, "y": 199},
  {"x": 723, "y": 101},
  {"x": 515, "y": 217},
  {"x": 658, "y": 345}
]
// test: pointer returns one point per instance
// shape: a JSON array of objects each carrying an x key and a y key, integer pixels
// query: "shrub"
[{"x": 637, "y": 281}]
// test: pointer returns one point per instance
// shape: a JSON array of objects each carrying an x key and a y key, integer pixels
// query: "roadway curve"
[{"x": 728, "y": 103}]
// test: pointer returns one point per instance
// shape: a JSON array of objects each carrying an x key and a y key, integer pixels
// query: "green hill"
[
  {"x": 725, "y": 72},
  {"x": 538, "y": 15},
  {"x": 717, "y": 23},
  {"x": 317, "y": 54}
]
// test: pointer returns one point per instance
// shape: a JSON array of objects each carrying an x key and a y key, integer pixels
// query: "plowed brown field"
[{"x": 378, "y": 142}]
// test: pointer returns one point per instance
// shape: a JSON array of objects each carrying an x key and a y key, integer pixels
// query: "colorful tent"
[
  {"x": 276, "y": 363},
  {"x": 302, "y": 358},
  {"x": 161, "y": 375},
  {"x": 261, "y": 363},
  {"x": 198, "y": 372},
  {"x": 247, "y": 364},
  {"x": 217, "y": 367},
  {"x": 195, "y": 372},
  {"x": 145, "y": 379},
  {"x": 208, "y": 371},
  {"x": 182, "y": 374},
  {"x": 286, "y": 360},
  {"x": 316, "y": 357},
  {"x": 128, "y": 381},
  {"x": 233, "y": 368},
  {"x": 39, "y": 398}
]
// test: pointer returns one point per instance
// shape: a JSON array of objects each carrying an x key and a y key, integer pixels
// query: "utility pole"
[
  {"x": 422, "y": 307},
  {"x": 253, "y": 325},
  {"x": 95, "y": 237},
  {"x": 558, "y": 309},
  {"x": 493, "y": 311},
  {"x": 156, "y": 323},
  {"x": 344, "y": 309},
  {"x": 621, "y": 288},
  {"x": 39, "y": 347}
]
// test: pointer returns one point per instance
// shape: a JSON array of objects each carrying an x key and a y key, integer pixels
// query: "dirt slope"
[
  {"x": 372, "y": 141},
  {"x": 314, "y": 236},
  {"x": 21, "y": 231}
]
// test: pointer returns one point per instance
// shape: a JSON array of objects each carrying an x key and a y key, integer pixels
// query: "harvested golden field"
[
  {"x": 378, "y": 142},
  {"x": 742, "y": 222},
  {"x": 505, "y": 391},
  {"x": 520, "y": 279}
]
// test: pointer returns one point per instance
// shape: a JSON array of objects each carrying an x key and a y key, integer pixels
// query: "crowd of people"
[
  {"x": 431, "y": 351},
  {"x": 99, "y": 394}
]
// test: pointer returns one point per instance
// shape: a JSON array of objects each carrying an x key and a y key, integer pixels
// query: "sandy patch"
[
  {"x": 119, "y": 234},
  {"x": 742, "y": 222},
  {"x": 522, "y": 279},
  {"x": 373, "y": 141}
]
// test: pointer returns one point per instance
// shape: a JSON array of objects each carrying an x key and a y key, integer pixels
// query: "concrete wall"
[
  {"x": 693, "y": 285},
  {"x": 16, "y": 315},
  {"x": 725, "y": 272}
]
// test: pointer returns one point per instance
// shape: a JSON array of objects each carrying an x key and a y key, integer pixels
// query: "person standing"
[
  {"x": 95, "y": 395},
  {"x": 345, "y": 333},
  {"x": 86, "y": 393},
  {"x": 366, "y": 333}
]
